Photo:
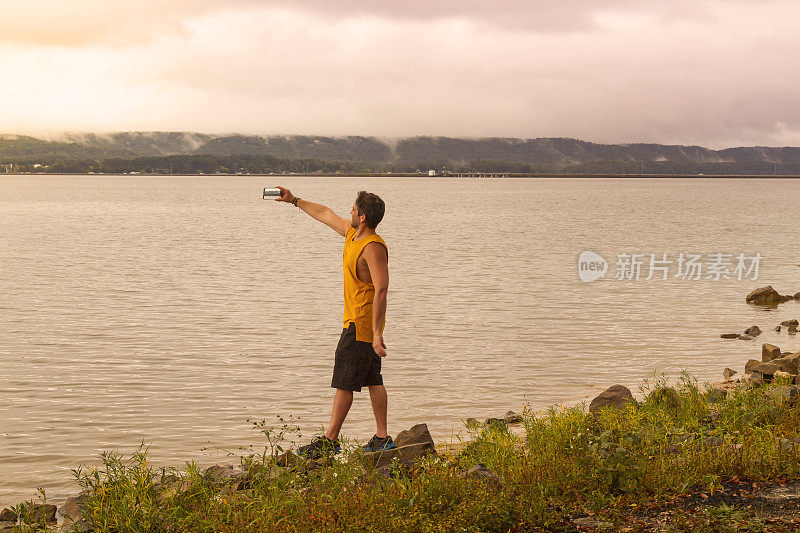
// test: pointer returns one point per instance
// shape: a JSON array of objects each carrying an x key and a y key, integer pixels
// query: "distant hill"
[{"x": 543, "y": 155}]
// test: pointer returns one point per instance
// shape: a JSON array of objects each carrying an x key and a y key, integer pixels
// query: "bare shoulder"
[{"x": 375, "y": 251}]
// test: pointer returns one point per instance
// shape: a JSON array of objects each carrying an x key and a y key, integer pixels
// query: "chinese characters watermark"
[{"x": 685, "y": 266}]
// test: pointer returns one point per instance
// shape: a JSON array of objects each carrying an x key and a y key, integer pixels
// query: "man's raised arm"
[{"x": 318, "y": 211}]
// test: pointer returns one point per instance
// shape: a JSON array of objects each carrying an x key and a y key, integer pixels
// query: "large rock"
[
  {"x": 227, "y": 475},
  {"x": 792, "y": 322},
  {"x": 745, "y": 338},
  {"x": 748, "y": 366},
  {"x": 766, "y": 296},
  {"x": 416, "y": 435},
  {"x": 482, "y": 472},
  {"x": 767, "y": 369},
  {"x": 7, "y": 515},
  {"x": 791, "y": 330},
  {"x": 730, "y": 336},
  {"x": 753, "y": 331},
  {"x": 411, "y": 453},
  {"x": 769, "y": 352},
  {"x": 412, "y": 445},
  {"x": 38, "y": 512},
  {"x": 617, "y": 396},
  {"x": 377, "y": 460},
  {"x": 788, "y": 363},
  {"x": 512, "y": 418},
  {"x": 71, "y": 509},
  {"x": 728, "y": 373},
  {"x": 717, "y": 395},
  {"x": 406, "y": 456},
  {"x": 286, "y": 459}
]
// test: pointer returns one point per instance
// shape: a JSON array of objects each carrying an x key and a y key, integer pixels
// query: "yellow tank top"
[{"x": 357, "y": 294}]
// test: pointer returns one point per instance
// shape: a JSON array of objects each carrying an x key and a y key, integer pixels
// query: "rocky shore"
[{"x": 776, "y": 366}]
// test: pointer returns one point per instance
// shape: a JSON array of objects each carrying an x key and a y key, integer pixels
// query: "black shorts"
[{"x": 356, "y": 364}]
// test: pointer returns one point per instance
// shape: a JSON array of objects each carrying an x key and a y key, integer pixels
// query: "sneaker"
[
  {"x": 377, "y": 444},
  {"x": 320, "y": 447}
]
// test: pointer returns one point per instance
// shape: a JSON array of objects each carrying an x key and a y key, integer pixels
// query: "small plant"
[
  {"x": 711, "y": 481},
  {"x": 276, "y": 435}
]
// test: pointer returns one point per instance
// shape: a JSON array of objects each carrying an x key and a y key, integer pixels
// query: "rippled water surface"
[{"x": 170, "y": 310}]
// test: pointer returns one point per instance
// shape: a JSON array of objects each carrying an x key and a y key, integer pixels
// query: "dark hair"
[{"x": 371, "y": 206}]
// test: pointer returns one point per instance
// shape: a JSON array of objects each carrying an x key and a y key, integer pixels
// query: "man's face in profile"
[{"x": 355, "y": 218}]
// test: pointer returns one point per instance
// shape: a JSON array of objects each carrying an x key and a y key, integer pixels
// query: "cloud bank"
[{"x": 716, "y": 73}]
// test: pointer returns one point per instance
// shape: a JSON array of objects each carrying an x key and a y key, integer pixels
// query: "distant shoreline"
[{"x": 426, "y": 175}]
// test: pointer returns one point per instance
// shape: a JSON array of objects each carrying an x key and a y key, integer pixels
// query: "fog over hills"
[{"x": 410, "y": 153}]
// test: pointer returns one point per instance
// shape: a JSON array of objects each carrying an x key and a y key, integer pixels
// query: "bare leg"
[
  {"x": 379, "y": 399},
  {"x": 342, "y": 401}
]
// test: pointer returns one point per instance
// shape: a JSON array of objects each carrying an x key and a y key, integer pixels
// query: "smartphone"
[{"x": 271, "y": 191}]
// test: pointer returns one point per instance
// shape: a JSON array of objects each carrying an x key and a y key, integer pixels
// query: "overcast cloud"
[{"x": 715, "y": 73}]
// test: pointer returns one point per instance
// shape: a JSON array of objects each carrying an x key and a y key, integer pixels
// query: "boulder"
[
  {"x": 797, "y": 296},
  {"x": 784, "y": 376},
  {"x": 286, "y": 459},
  {"x": 792, "y": 322},
  {"x": 482, "y": 472},
  {"x": 411, "y": 453},
  {"x": 512, "y": 418},
  {"x": 617, "y": 396},
  {"x": 748, "y": 366},
  {"x": 71, "y": 509},
  {"x": 788, "y": 363},
  {"x": 767, "y": 369},
  {"x": 227, "y": 475},
  {"x": 754, "y": 378},
  {"x": 412, "y": 445},
  {"x": 730, "y": 336},
  {"x": 7, "y": 515},
  {"x": 745, "y": 338},
  {"x": 753, "y": 331},
  {"x": 769, "y": 352},
  {"x": 717, "y": 395},
  {"x": 791, "y": 330},
  {"x": 379, "y": 459},
  {"x": 665, "y": 396},
  {"x": 497, "y": 422},
  {"x": 416, "y": 435},
  {"x": 766, "y": 296},
  {"x": 38, "y": 512},
  {"x": 728, "y": 373}
]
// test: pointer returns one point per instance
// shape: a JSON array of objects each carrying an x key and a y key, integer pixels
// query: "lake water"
[{"x": 170, "y": 310}]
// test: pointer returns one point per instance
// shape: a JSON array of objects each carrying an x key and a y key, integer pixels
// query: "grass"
[{"x": 618, "y": 468}]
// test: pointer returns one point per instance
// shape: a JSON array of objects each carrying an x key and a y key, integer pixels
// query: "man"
[{"x": 366, "y": 280}]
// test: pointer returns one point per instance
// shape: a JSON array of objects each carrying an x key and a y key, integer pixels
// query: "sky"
[{"x": 717, "y": 73}]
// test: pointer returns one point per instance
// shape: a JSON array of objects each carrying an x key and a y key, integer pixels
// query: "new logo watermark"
[
  {"x": 591, "y": 266},
  {"x": 687, "y": 266}
]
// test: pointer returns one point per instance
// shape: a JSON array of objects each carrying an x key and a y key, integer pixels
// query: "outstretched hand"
[
  {"x": 286, "y": 195},
  {"x": 378, "y": 345}
]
